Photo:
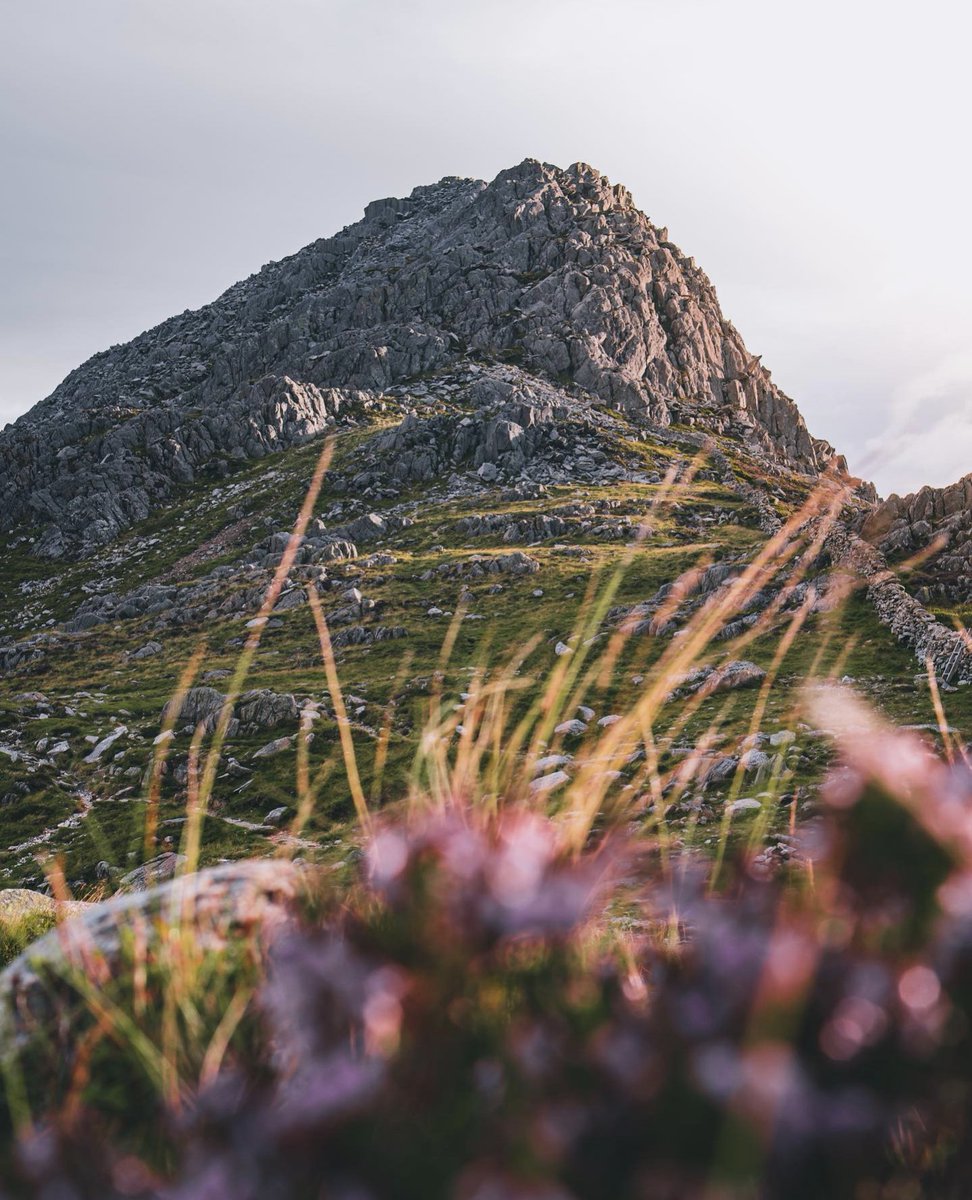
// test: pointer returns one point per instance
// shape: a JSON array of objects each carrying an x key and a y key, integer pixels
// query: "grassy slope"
[{"x": 264, "y": 496}]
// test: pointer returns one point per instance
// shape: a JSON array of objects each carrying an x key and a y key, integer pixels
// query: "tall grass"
[{"x": 182, "y": 1009}]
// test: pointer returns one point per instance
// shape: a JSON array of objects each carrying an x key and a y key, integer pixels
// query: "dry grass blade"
[
  {"x": 162, "y": 744},
  {"x": 248, "y": 653},
  {"x": 805, "y": 529},
  {"x": 936, "y": 698},
  {"x": 340, "y": 712}
]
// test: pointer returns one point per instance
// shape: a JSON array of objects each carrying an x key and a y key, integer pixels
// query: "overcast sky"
[{"x": 813, "y": 157}]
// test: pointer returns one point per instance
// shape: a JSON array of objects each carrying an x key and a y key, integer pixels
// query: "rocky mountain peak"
[{"x": 552, "y": 270}]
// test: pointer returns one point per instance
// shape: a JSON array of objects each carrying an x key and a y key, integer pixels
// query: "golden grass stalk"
[
  {"x": 246, "y": 657},
  {"x": 340, "y": 712}
]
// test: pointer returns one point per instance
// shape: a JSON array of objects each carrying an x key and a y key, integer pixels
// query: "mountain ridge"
[{"x": 557, "y": 267}]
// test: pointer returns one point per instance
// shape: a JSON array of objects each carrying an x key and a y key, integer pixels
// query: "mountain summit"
[
  {"x": 548, "y": 443},
  {"x": 554, "y": 271}
]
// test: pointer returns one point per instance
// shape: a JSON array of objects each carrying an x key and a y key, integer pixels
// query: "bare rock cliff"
[{"x": 552, "y": 269}]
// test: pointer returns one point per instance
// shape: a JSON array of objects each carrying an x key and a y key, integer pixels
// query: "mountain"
[
  {"x": 547, "y": 442},
  {"x": 554, "y": 270}
]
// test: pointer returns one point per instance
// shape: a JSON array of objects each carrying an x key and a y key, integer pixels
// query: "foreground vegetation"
[
  {"x": 91, "y": 684},
  {"x": 497, "y": 1007},
  {"x": 684, "y": 951}
]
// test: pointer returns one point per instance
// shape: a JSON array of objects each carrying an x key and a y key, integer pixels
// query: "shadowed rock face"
[
  {"x": 929, "y": 507},
  {"x": 936, "y": 522},
  {"x": 555, "y": 269}
]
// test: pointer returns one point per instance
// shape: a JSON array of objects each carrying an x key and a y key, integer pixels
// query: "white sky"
[{"x": 813, "y": 157}]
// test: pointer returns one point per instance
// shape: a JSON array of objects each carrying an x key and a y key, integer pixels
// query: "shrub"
[{"x": 492, "y": 1015}]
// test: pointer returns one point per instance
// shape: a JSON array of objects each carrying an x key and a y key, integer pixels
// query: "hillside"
[
  {"x": 536, "y": 407},
  {"x": 553, "y": 269}
]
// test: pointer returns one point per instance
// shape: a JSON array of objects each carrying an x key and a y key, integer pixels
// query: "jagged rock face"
[
  {"x": 88, "y": 471},
  {"x": 937, "y": 521},
  {"x": 499, "y": 421},
  {"x": 932, "y": 506},
  {"x": 553, "y": 268}
]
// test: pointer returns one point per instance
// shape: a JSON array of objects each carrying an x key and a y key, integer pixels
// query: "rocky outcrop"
[
  {"x": 596, "y": 520},
  {"x": 553, "y": 268},
  {"x": 257, "y": 709},
  {"x": 730, "y": 677},
  {"x": 933, "y": 521},
  {"x": 479, "y": 566},
  {"x": 200, "y": 706},
  {"x": 501, "y": 422},
  {"x": 367, "y": 635},
  {"x": 678, "y": 599},
  {"x": 265, "y": 709},
  {"x": 85, "y": 469},
  {"x": 929, "y": 506}
]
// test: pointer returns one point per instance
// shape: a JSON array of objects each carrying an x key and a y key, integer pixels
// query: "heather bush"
[
  {"x": 565, "y": 1000},
  {"x": 494, "y": 1014}
]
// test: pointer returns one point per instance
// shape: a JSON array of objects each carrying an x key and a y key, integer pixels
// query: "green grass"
[
  {"x": 263, "y": 497},
  {"x": 16, "y": 934}
]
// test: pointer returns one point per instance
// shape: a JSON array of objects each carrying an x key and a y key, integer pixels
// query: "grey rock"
[
  {"x": 18, "y": 904},
  {"x": 230, "y": 902},
  {"x": 105, "y": 744},
  {"x": 755, "y": 762},
  {"x": 266, "y": 709},
  {"x": 720, "y": 771},
  {"x": 707, "y": 681},
  {"x": 275, "y": 747},
  {"x": 550, "y": 761},
  {"x": 368, "y": 528},
  {"x": 571, "y": 728},
  {"x": 366, "y": 635},
  {"x": 148, "y": 650},
  {"x": 517, "y": 563},
  {"x": 547, "y": 783},
  {"x": 200, "y": 705},
  {"x": 783, "y": 737},
  {"x": 153, "y": 872},
  {"x": 745, "y": 805},
  {"x": 555, "y": 266}
]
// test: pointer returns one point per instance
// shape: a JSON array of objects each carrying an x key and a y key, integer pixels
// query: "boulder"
[
  {"x": 548, "y": 783},
  {"x": 19, "y": 904},
  {"x": 233, "y": 901},
  {"x": 571, "y": 728},
  {"x": 266, "y": 709},
  {"x": 156, "y": 870},
  {"x": 200, "y": 705},
  {"x": 278, "y": 746},
  {"x": 148, "y": 650},
  {"x": 105, "y": 744}
]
